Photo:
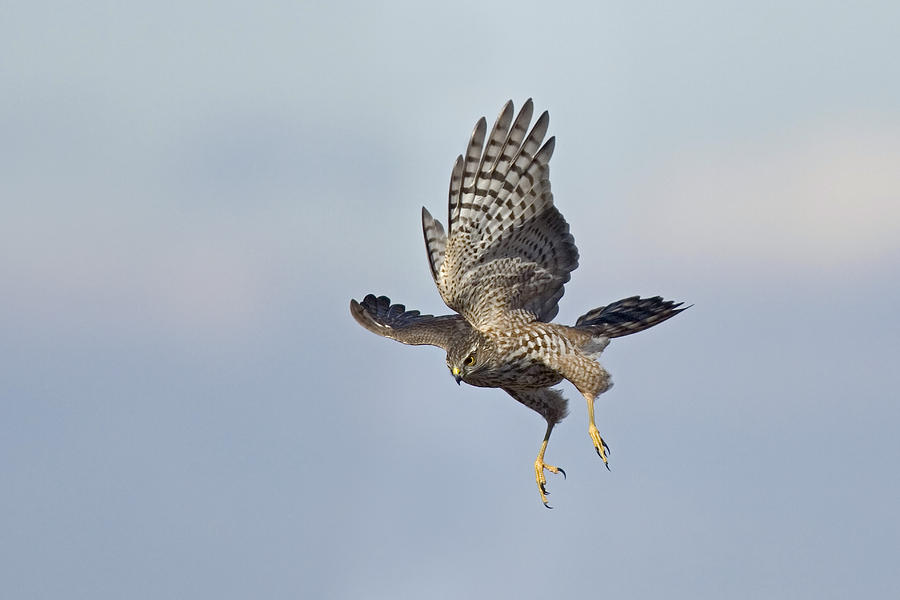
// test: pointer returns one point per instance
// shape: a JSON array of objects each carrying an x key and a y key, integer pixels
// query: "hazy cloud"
[{"x": 821, "y": 195}]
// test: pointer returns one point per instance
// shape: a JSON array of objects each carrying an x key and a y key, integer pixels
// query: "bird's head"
[{"x": 466, "y": 358}]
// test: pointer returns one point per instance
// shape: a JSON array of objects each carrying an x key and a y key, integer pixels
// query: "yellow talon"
[
  {"x": 540, "y": 466},
  {"x": 599, "y": 445}
]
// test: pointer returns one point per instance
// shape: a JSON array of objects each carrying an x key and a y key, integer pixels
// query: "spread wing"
[
  {"x": 393, "y": 321},
  {"x": 508, "y": 250}
]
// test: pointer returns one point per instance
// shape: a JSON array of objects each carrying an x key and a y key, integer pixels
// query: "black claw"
[
  {"x": 548, "y": 506},
  {"x": 607, "y": 466},
  {"x": 561, "y": 471},
  {"x": 597, "y": 450}
]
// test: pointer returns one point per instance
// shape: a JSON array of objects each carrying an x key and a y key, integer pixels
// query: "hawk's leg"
[
  {"x": 540, "y": 466},
  {"x": 591, "y": 380},
  {"x": 599, "y": 445}
]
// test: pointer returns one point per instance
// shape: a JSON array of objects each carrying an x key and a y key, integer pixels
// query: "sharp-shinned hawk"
[{"x": 501, "y": 265}]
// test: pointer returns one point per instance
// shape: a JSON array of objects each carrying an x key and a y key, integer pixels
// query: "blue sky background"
[{"x": 192, "y": 192}]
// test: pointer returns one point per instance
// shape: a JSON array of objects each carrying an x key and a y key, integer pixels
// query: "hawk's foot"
[
  {"x": 599, "y": 445},
  {"x": 539, "y": 467}
]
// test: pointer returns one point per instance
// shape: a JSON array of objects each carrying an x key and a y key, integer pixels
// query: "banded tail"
[{"x": 628, "y": 316}]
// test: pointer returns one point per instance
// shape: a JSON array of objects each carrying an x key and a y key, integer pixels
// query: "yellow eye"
[{"x": 470, "y": 360}]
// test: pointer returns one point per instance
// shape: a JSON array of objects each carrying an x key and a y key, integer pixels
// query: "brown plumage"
[{"x": 501, "y": 265}]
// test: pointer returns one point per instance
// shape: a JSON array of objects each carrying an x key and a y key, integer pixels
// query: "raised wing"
[
  {"x": 393, "y": 321},
  {"x": 508, "y": 250}
]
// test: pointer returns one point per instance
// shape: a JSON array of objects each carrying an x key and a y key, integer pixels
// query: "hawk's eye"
[{"x": 470, "y": 360}]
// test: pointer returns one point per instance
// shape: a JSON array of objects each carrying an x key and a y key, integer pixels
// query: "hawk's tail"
[{"x": 628, "y": 316}]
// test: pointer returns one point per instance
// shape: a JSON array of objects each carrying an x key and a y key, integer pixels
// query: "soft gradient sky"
[{"x": 192, "y": 192}]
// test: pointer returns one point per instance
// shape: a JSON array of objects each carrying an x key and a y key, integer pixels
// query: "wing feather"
[
  {"x": 461, "y": 205},
  {"x": 496, "y": 142},
  {"x": 456, "y": 178},
  {"x": 393, "y": 321},
  {"x": 435, "y": 241}
]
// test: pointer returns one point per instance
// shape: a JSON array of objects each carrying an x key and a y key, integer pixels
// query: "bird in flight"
[{"x": 501, "y": 265}]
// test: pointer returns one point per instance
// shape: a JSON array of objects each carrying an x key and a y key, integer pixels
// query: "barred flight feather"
[{"x": 435, "y": 241}]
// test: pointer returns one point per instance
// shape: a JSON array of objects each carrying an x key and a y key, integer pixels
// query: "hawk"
[{"x": 501, "y": 265}]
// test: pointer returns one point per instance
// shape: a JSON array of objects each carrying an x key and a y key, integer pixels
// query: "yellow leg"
[
  {"x": 540, "y": 466},
  {"x": 599, "y": 445}
]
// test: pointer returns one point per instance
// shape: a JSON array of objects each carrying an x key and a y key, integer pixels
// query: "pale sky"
[{"x": 192, "y": 192}]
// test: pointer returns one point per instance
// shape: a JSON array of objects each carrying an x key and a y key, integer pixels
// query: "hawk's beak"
[{"x": 456, "y": 374}]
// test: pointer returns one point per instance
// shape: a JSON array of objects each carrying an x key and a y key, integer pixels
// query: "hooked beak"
[{"x": 456, "y": 374}]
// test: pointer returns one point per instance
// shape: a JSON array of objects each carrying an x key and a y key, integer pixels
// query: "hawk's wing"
[
  {"x": 393, "y": 321},
  {"x": 507, "y": 249}
]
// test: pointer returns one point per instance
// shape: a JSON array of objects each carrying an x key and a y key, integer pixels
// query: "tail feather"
[{"x": 628, "y": 316}]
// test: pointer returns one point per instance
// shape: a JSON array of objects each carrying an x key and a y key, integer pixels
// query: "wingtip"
[
  {"x": 546, "y": 151},
  {"x": 368, "y": 299},
  {"x": 363, "y": 312},
  {"x": 357, "y": 311}
]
